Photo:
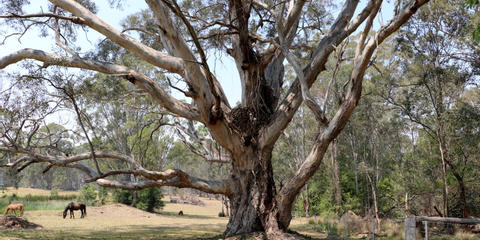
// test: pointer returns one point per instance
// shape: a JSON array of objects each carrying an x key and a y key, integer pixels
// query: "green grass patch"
[
  {"x": 38, "y": 205},
  {"x": 38, "y": 202},
  {"x": 147, "y": 232}
]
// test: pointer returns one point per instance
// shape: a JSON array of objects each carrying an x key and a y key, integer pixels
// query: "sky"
[{"x": 222, "y": 65}]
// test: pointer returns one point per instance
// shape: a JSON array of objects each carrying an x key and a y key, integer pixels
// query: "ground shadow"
[
  {"x": 185, "y": 215},
  {"x": 197, "y": 232}
]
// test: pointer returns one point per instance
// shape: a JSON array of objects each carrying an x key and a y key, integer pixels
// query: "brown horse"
[
  {"x": 75, "y": 206},
  {"x": 14, "y": 207}
]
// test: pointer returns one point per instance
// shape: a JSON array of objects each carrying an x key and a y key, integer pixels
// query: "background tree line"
[{"x": 412, "y": 146}]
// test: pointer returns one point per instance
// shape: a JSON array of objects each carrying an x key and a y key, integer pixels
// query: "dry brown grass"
[
  {"x": 119, "y": 221},
  {"x": 22, "y": 192}
]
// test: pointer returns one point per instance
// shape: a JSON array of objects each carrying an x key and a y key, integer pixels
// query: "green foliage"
[
  {"x": 54, "y": 192},
  {"x": 471, "y": 3},
  {"x": 87, "y": 193},
  {"x": 476, "y": 34},
  {"x": 150, "y": 199},
  {"x": 38, "y": 202},
  {"x": 39, "y": 198},
  {"x": 326, "y": 226},
  {"x": 102, "y": 195},
  {"x": 123, "y": 196}
]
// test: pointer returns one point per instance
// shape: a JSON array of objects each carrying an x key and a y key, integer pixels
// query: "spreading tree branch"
[
  {"x": 142, "y": 81},
  {"x": 157, "y": 58}
]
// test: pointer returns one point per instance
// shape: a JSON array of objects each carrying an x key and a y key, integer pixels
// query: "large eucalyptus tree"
[{"x": 261, "y": 36}]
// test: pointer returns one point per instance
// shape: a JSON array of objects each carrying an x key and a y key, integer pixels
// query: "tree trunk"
[
  {"x": 227, "y": 206},
  {"x": 223, "y": 206},
  {"x": 306, "y": 201},
  {"x": 406, "y": 203},
  {"x": 134, "y": 193},
  {"x": 445, "y": 186},
  {"x": 461, "y": 185},
  {"x": 444, "y": 175},
  {"x": 253, "y": 206},
  {"x": 336, "y": 174},
  {"x": 374, "y": 197},
  {"x": 355, "y": 162},
  {"x": 255, "y": 192},
  {"x": 245, "y": 217}
]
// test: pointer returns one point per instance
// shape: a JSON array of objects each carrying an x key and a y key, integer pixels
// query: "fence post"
[
  {"x": 410, "y": 231},
  {"x": 373, "y": 228},
  {"x": 426, "y": 229}
]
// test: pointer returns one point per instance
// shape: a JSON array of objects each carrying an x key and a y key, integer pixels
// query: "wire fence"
[
  {"x": 409, "y": 228},
  {"x": 445, "y": 224}
]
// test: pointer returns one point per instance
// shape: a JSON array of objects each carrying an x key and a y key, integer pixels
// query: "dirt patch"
[
  {"x": 187, "y": 199},
  {"x": 117, "y": 209},
  {"x": 14, "y": 222}
]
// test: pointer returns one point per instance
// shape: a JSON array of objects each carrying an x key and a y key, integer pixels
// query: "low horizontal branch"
[{"x": 170, "y": 177}]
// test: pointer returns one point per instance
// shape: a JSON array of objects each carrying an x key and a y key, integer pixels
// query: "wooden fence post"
[
  {"x": 410, "y": 231},
  {"x": 426, "y": 229},
  {"x": 373, "y": 228}
]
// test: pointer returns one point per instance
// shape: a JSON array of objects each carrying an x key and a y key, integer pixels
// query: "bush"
[
  {"x": 327, "y": 227},
  {"x": 102, "y": 195},
  {"x": 87, "y": 193},
  {"x": 123, "y": 196},
  {"x": 147, "y": 199},
  {"x": 54, "y": 192},
  {"x": 221, "y": 214}
]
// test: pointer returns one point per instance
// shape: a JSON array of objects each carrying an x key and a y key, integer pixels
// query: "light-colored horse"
[{"x": 14, "y": 207}]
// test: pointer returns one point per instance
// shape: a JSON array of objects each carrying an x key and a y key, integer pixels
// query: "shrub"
[
  {"x": 149, "y": 199},
  {"x": 123, "y": 196},
  {"x": 87, "y": 193},
  {"x": 221, "y": 214},
  {"x": 102, "y": 195},
  {"x": 327, "y": 227},
  {"x": 54, "y": 192}
]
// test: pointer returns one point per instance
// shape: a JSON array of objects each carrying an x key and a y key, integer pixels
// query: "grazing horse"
[
  {"x": 75, "y": 206},
  {"x": 14, "y": 207}
]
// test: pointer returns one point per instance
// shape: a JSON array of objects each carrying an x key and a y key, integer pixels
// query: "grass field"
[
  {"x": 117, "y": 221},
  {"x": 22, "y": 192}
]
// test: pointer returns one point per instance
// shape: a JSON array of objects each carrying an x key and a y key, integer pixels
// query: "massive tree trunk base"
[
  {"x": 265, "y": 236},
  {"x": 253, "y": 205},
  {"x": 253, "y": 235},
  {"x": 244, "y": 219}
]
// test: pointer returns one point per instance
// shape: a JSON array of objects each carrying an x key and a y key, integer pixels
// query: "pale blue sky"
[{"x": 222, "y": 65}]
